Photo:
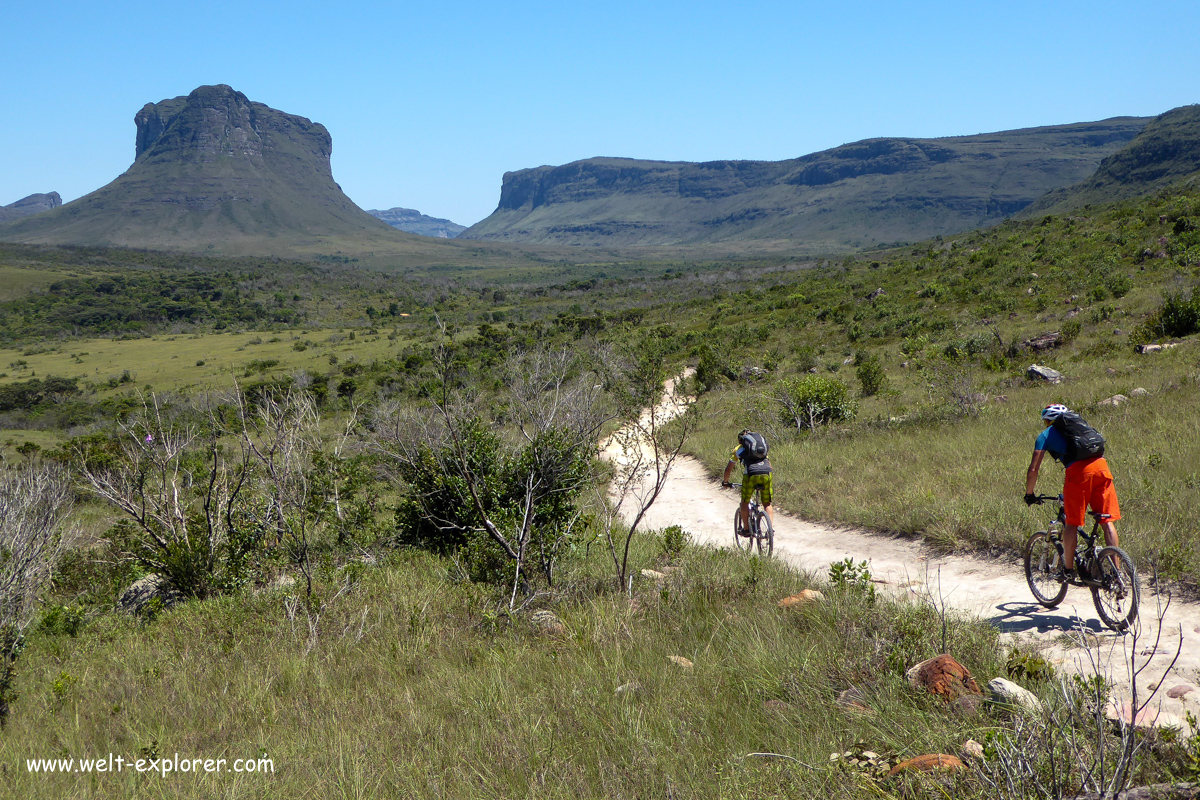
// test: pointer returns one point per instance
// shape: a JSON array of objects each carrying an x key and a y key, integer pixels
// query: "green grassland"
[{"x": 411, "y": 685}]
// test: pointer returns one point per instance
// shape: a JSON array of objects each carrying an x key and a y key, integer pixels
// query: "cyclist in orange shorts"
[{"x": 1087, "y": 483}]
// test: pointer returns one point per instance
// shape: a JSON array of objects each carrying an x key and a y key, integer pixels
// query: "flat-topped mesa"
[{"x": 215, "y": 171}]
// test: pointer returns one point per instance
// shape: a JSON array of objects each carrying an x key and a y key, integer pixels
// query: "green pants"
[{"x": 760, "y": 482}]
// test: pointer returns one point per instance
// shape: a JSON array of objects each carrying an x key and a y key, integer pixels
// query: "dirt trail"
[{"x": 991, "y": 589}]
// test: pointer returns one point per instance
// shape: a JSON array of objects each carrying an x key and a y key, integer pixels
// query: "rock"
[
  {"x": 1039, "y": 373},
  {"x": 968, "y": 706},
  {"x": 1110, "y": 372},
  {"x": 1139, "y": 392},
  {"x": 1034, "y": 275},
  {"x": 1176, "y": 692},
  {"x": 1000, "y": 398},
  {"x": 1154, "y": 348},
  {"x": 943, "y": 676},
  {"x": 629, "y": 690},
  {"x": 1118, "y": 332},
  {"x": 1007, "y": 693},
  {"x": 847, "y": 360},
  {"x": 904, "y": 365},
  {"x": 547, "y": 623},
  {"x": 1145, "y": 720},
  {"x": 753, "y": 373},
  {"x": 654, "y": 575},
  {"x": 681, "y": 662},
  {"x": 1071, "y": 314},
  {"x": 805, "y": 598},
  {"x": 147, "y": 590},
  {"x": 972, "y": 749},
  {"x": 928, "y": 763},
  {"x": 854, "y": 701},
  {"x": 1115, "y": 400},
  {"x": 877, "y": 293},
  {"x": 1044, "y": 341}
]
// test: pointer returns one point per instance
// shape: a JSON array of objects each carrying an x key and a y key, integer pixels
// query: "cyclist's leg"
[
  {"x": 1075, "y": 508},
  {"x": 765, "y": 495},
  {"x": 1102, "y": 497},
  {"x": 747, "y": 493}
]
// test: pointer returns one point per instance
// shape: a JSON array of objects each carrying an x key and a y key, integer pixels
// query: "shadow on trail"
[{"x": 1026, "y": 617}]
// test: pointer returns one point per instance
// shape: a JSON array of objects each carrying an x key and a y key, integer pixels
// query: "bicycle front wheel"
[
  {"x": 742, "y": 539},
  {"x": 1041, "y": 566},
  {"x": 765, "y": 540},
  {"x": 1120, "y": 592}
]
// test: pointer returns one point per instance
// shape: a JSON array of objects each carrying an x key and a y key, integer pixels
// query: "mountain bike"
[
  {"x": 761, "y": 535},
  {"x": 1108, "y": 572}
]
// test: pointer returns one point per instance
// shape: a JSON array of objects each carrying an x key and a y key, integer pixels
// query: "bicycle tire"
[
  {"x": 1118, "y": 599},
  {"x": 742, "y": 541},
  {"x": 766, "y": 534},
  {"x": 1041, "y": 564}
]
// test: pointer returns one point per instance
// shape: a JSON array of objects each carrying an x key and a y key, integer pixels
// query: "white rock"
[{"x": 1008, "y": 693}]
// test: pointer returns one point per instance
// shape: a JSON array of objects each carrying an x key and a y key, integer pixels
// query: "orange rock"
[
  {"x": 807, "y": 597},
  {"x": 945, "y": 677},
  {"x": 927, "y": 763}
]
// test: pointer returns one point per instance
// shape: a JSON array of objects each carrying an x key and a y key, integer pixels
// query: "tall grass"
[{"x": 414, "y": 687}]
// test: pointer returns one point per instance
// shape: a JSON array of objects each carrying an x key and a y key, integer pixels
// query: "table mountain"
[
  {"x": 413, "y": 221},
  {"x": 1167, "y": 150},
  {"x": 215, "y": 171},
  {"x": 871, "y": 192},
  {"x": 28, "y": 206}
]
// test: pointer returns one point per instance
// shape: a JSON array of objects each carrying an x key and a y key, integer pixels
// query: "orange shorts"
[{"x": 1089, "y": 483}]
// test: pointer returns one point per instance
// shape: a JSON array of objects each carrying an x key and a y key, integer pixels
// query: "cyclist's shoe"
[{"x": 1065, "y": 576}]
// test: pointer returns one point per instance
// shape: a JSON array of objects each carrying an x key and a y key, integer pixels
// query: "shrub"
[
  {"x": 870, "y": 374},
  {"x": 1179, "y": 315},
  {"x": 813, "y": 400}
]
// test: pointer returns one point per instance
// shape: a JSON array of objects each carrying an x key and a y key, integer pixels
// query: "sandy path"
[{"x": 991, "y": 589}]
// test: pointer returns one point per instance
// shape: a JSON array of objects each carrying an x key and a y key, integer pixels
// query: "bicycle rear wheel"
[
  {"x": 742, "y": 539},
  {"x": 1118, "y": 597},
  {"x": 1041, "y": 564},
  {"x": 766, "y": 533}
]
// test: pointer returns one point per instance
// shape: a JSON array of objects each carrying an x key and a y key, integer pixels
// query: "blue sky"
[{"x": 429, "y": 104}]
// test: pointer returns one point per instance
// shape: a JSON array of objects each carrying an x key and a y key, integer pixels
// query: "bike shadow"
[{"x": 1027, "y": 617}]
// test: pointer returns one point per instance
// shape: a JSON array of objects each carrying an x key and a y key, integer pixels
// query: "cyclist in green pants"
[{"x": 756, "y": 473}]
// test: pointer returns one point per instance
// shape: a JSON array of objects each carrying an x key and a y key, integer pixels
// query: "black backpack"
[
  {"x": 1083, "y": 441},
  {"x": 754, "y": 447}
]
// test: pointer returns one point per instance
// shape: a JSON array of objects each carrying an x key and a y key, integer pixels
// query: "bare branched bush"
[{"x": 34, "y": 504}]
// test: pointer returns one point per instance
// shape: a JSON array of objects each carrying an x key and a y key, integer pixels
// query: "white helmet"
[{"x": 1054, "y": 411}]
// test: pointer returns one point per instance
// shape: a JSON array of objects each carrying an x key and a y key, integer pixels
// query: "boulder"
[
  {"x": 681, "y": 662},
  {"x": 1154, "y": 348},
  {"x": 1139, "y": 392},
  {"x": 547, "y": 623},
  {"x": 654, "y": 575},
  {"x": 928, "y": 763},
  {"x": 972, "y": 749},
  {"x": 1044, "y": 341},
  {"x": 877, "y": 293},
  {"x": 1037, "y": 372},
  {"x": 943, "y": 676},
  {"x": 1176, "y": 692},
  {"x": 805, "y": 598},
  {"x": 1007, "y": 693},
  {"x": 147, "y": 590},
  {"x": 1114, "y": 401}
]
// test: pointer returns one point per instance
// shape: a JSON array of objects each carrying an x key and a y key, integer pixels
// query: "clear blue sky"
[{"x": 430, "y": 103}]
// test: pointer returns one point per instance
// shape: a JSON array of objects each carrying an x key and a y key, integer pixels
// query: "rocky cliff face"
[
  {"x": 1166, "y": 150},
  {"x": 214, "y": 170},
  {"x": 864, "y": 193},
  {"x": 412, "y": 221},
  {"x": 27, "y": 206}
]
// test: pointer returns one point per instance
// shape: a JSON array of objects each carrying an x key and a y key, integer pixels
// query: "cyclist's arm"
[
  {"x": 1031, "y": 475},
  {"x": 728, "y": 471}
]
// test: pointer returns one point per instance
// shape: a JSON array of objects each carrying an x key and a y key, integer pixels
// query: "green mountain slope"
[
  {"x": 857, "y": 195},
  {"x": 216, "y": 172},
  {"x": 1167, "y": 150}
]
